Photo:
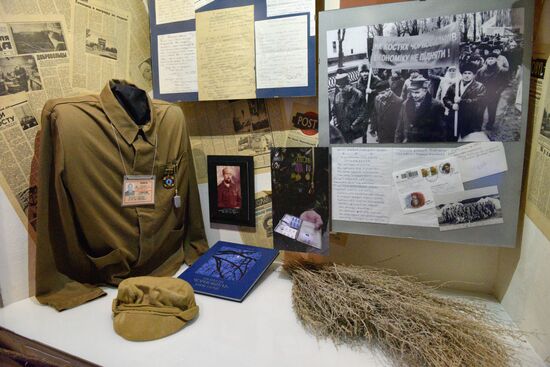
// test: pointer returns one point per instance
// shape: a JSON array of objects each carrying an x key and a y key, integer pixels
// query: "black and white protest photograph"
[
  {"x": 97, "y": 44},
  {"x": 32, "y": 38},
  {"x": 471, "y": 208},
  {"x": 19, "y": 74},
  {"x": 451, "y": 78}
]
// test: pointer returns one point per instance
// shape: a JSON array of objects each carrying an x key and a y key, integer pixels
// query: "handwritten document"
[
  {"x": 363, "y": 189},
  {"x": 480, "y": 159},
  {"x": 225, "y": 54},
  {"x": 177, "y": 61},
  {"x": 281, "y": 52},
  {"x": 286, "y": 7},
  {"x": 170, "y": 11}
]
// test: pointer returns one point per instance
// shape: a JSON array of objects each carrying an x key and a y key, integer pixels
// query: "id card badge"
[{"x": 138, "y": 190}]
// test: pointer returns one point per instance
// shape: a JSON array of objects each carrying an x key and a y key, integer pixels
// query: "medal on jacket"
[{"x": 169, "y": 180}]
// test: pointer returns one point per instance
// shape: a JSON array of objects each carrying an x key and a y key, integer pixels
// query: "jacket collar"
[{"x": 120, "y": 119}]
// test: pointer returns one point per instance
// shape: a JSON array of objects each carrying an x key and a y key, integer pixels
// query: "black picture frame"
[{"x": 226, "y": 207}]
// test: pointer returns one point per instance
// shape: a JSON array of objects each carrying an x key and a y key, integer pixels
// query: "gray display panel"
[{"x": 509, "y": 183}]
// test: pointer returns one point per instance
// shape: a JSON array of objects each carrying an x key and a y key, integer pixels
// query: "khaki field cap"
[{"x": 148, "y": 308}]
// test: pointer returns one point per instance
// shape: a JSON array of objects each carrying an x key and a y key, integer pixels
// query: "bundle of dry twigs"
[{"x": 401, "y": 316}]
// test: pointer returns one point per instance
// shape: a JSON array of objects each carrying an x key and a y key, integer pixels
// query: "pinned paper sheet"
[
  {"x": 281, "y": 52},
  {"x": 177, "y": 63},
  {"x": 225, "y": 54},
  {"x": 479, "y": 160},
  {"x": 284, "y": 7},
  {"x": 171, "y": 11}
]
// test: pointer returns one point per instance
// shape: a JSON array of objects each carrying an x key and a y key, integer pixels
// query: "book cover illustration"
[{"x": 229, "y": 270}]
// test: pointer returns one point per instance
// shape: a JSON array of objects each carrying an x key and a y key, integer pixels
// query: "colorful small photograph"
[
  {"x": 415, "y": 200},
  {"x": 300, "y": 185},
  {"x": 445, "y": 168},
  {"x": 229, "y": 187},
  {"x": 231, "y": 190}
]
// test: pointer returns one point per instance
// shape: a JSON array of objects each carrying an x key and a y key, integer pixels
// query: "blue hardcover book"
[{"x": 229, "y": 270}]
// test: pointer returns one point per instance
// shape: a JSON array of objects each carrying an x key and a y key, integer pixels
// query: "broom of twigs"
[{"x": 404, "y": 318}]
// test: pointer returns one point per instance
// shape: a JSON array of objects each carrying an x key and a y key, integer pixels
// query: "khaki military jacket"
[{"x": 85, "y": 237}]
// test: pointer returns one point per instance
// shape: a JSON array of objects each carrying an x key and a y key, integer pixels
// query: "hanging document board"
[
  {"x": 232, "y": 49},
  {"x": 402, "y": 88}
]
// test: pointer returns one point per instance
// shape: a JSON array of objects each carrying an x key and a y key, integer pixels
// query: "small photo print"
[
  {"x": 471, "y": 208},
  {"x": 415, "y": 200},
  {"x": 32, "y": 38},
  {"x": 19, "y": 74},
  {"x": 228, "y": 179},
  {"x": 97, "y": 44}
]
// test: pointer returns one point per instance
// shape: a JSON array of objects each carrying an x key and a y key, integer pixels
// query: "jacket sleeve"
[
  {"x": 54, "y": 288},
  {"x": 195, "y": 243}
]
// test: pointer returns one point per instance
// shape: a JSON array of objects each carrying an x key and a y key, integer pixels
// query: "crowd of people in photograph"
[
  {"x": 406, "y": 106},
  {"x": 457, "y": 213}
]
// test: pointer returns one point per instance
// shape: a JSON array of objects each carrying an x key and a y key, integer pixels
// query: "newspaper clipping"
[
  {"x": 38, "y": 62},
  {"x": 101, "y": 45},
  {"x": 262, "y": 235},
  {"x": 26, "y": 7},
  {"x": 538, "y": 195},
  {"x": 18, "y": 128},
  {"x": 34, "y": 67}
]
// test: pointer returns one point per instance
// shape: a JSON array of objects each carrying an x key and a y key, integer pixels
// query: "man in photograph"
[
  {"x": 387, "y": 107},
  {"x": 494, "y": 78},
  {"x": 229, "y": 194},
  {"x": 348, "y": 109},
  {"x": 413, "y": 74},
  {"x": 469, "y": 103},
  {"x": 421, "y": 117},
  {"x": 370, "y": 91}
]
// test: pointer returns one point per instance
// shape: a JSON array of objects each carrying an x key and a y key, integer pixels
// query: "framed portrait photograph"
[{"x": 231, "y": 190}]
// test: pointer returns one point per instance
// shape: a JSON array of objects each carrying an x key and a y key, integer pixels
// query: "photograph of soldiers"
[
  {"x": 489, "y": 44},
  {"x": 469, "y": 210},
  {"x": 422, "y": 117},
  {"x": 229, "y": 187},
  {"x": 19, "y": 74}
]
